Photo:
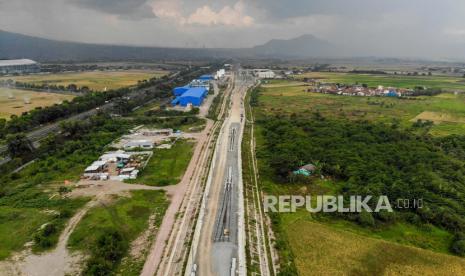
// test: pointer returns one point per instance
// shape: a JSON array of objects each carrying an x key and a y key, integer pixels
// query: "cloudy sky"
[{"x": 415, "y": 28}]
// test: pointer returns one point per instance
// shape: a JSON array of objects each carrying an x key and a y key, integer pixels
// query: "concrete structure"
[
  {"x": 143, "y": 144},
  {"x": 19, "y": 66},
  {"x": 193, "y": 96}
]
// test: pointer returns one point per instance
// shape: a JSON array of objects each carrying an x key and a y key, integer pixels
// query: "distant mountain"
[
  {"x": 302, "y": 46},
  {"x": 13, "y": 45}
]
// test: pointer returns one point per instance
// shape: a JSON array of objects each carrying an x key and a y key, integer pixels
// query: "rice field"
[
  {"x": 325, "y": 250},
  {"x": 15, "y": 101},
  {"x": 95, "y": 80}
]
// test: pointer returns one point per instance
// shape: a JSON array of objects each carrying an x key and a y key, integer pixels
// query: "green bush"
[
  {"x": 107, "y": 253},
  {"x": 366, "y": 219},
  {"x": 458, "y": 247},
  {"x": 43, "y": 239}
]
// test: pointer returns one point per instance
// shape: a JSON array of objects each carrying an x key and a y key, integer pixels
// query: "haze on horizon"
[{"x": 396, "y": 28}]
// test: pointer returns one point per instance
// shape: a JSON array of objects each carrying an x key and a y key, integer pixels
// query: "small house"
[{"x": 306, "y": 170}]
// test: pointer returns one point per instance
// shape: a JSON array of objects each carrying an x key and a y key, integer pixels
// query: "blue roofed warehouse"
[
  {"x": 206, "y": 77},
  {"x": 178, "y": 91},
  {"x": 194, "y": 96}
]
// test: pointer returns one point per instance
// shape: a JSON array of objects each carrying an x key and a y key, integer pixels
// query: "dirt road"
[{"x": 163, "y": 237}]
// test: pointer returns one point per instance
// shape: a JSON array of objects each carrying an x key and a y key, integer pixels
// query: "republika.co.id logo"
[{"x": 341, "y": 204}]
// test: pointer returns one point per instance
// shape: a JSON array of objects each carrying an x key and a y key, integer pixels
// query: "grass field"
[
  {"x": 167, "y": 166},
  {"x": 19, "y": 223},
  {"x": 400, "y": 81},
  {"x": 447, "y": 110},
  {"x": 130, "y": 215},
  {"x": 325, "y": 250},
  {"x": 95, "y": 80},
  {"x": 17, "y": 105}
]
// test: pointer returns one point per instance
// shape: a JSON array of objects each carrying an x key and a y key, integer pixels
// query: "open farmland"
[
  {"x": 12, "y": 101},
  {"x": 446, "y": 83},
  {"x": 95, "y": 80},
  {"x": 325, "y": 250},
  {"x": 448, "y": 108}
]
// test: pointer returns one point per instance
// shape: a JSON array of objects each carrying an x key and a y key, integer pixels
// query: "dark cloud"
[
  {"x": 128, "y": 9},
  {"x": 364, "y": 27},
  {"x": 278, "y": 9}
]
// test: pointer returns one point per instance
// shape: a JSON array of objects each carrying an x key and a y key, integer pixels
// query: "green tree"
[{"x": 19, "y": 145}]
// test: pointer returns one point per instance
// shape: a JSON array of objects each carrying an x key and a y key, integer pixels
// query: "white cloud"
[
  {"x": 229, "y": 16},
  {"x": 168, "y": 9},
  {"x": 203, "y": 16}
]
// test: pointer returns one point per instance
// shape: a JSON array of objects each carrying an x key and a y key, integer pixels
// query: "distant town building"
[
  {"x": 18, "y": 66},
  {"x": 264, "y": 74}
]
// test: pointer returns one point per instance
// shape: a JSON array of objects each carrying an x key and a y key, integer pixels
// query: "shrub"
[
  {"x": 43, "y": 238},
  {"x": 458, "y": 247},
  {"x": 366, "y": 219},
  {"x": 107, "y": 253}
]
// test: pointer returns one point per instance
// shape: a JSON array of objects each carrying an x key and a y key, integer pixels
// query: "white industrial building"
[
  {"x": 114, "y": 157},
  {"x": 200, "y": 83},
  {"x": 135, "y": 144},
  {"x": 220, "y": 74},
  {"x": 96, "y": 168},
  {"x": 264, "y": 73},
  {"x": 18, "y": 66}
]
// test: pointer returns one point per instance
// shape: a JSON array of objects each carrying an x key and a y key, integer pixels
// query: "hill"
[
  {"x": 13, "y": 45},
  {"x": 302, "y": 46}
]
